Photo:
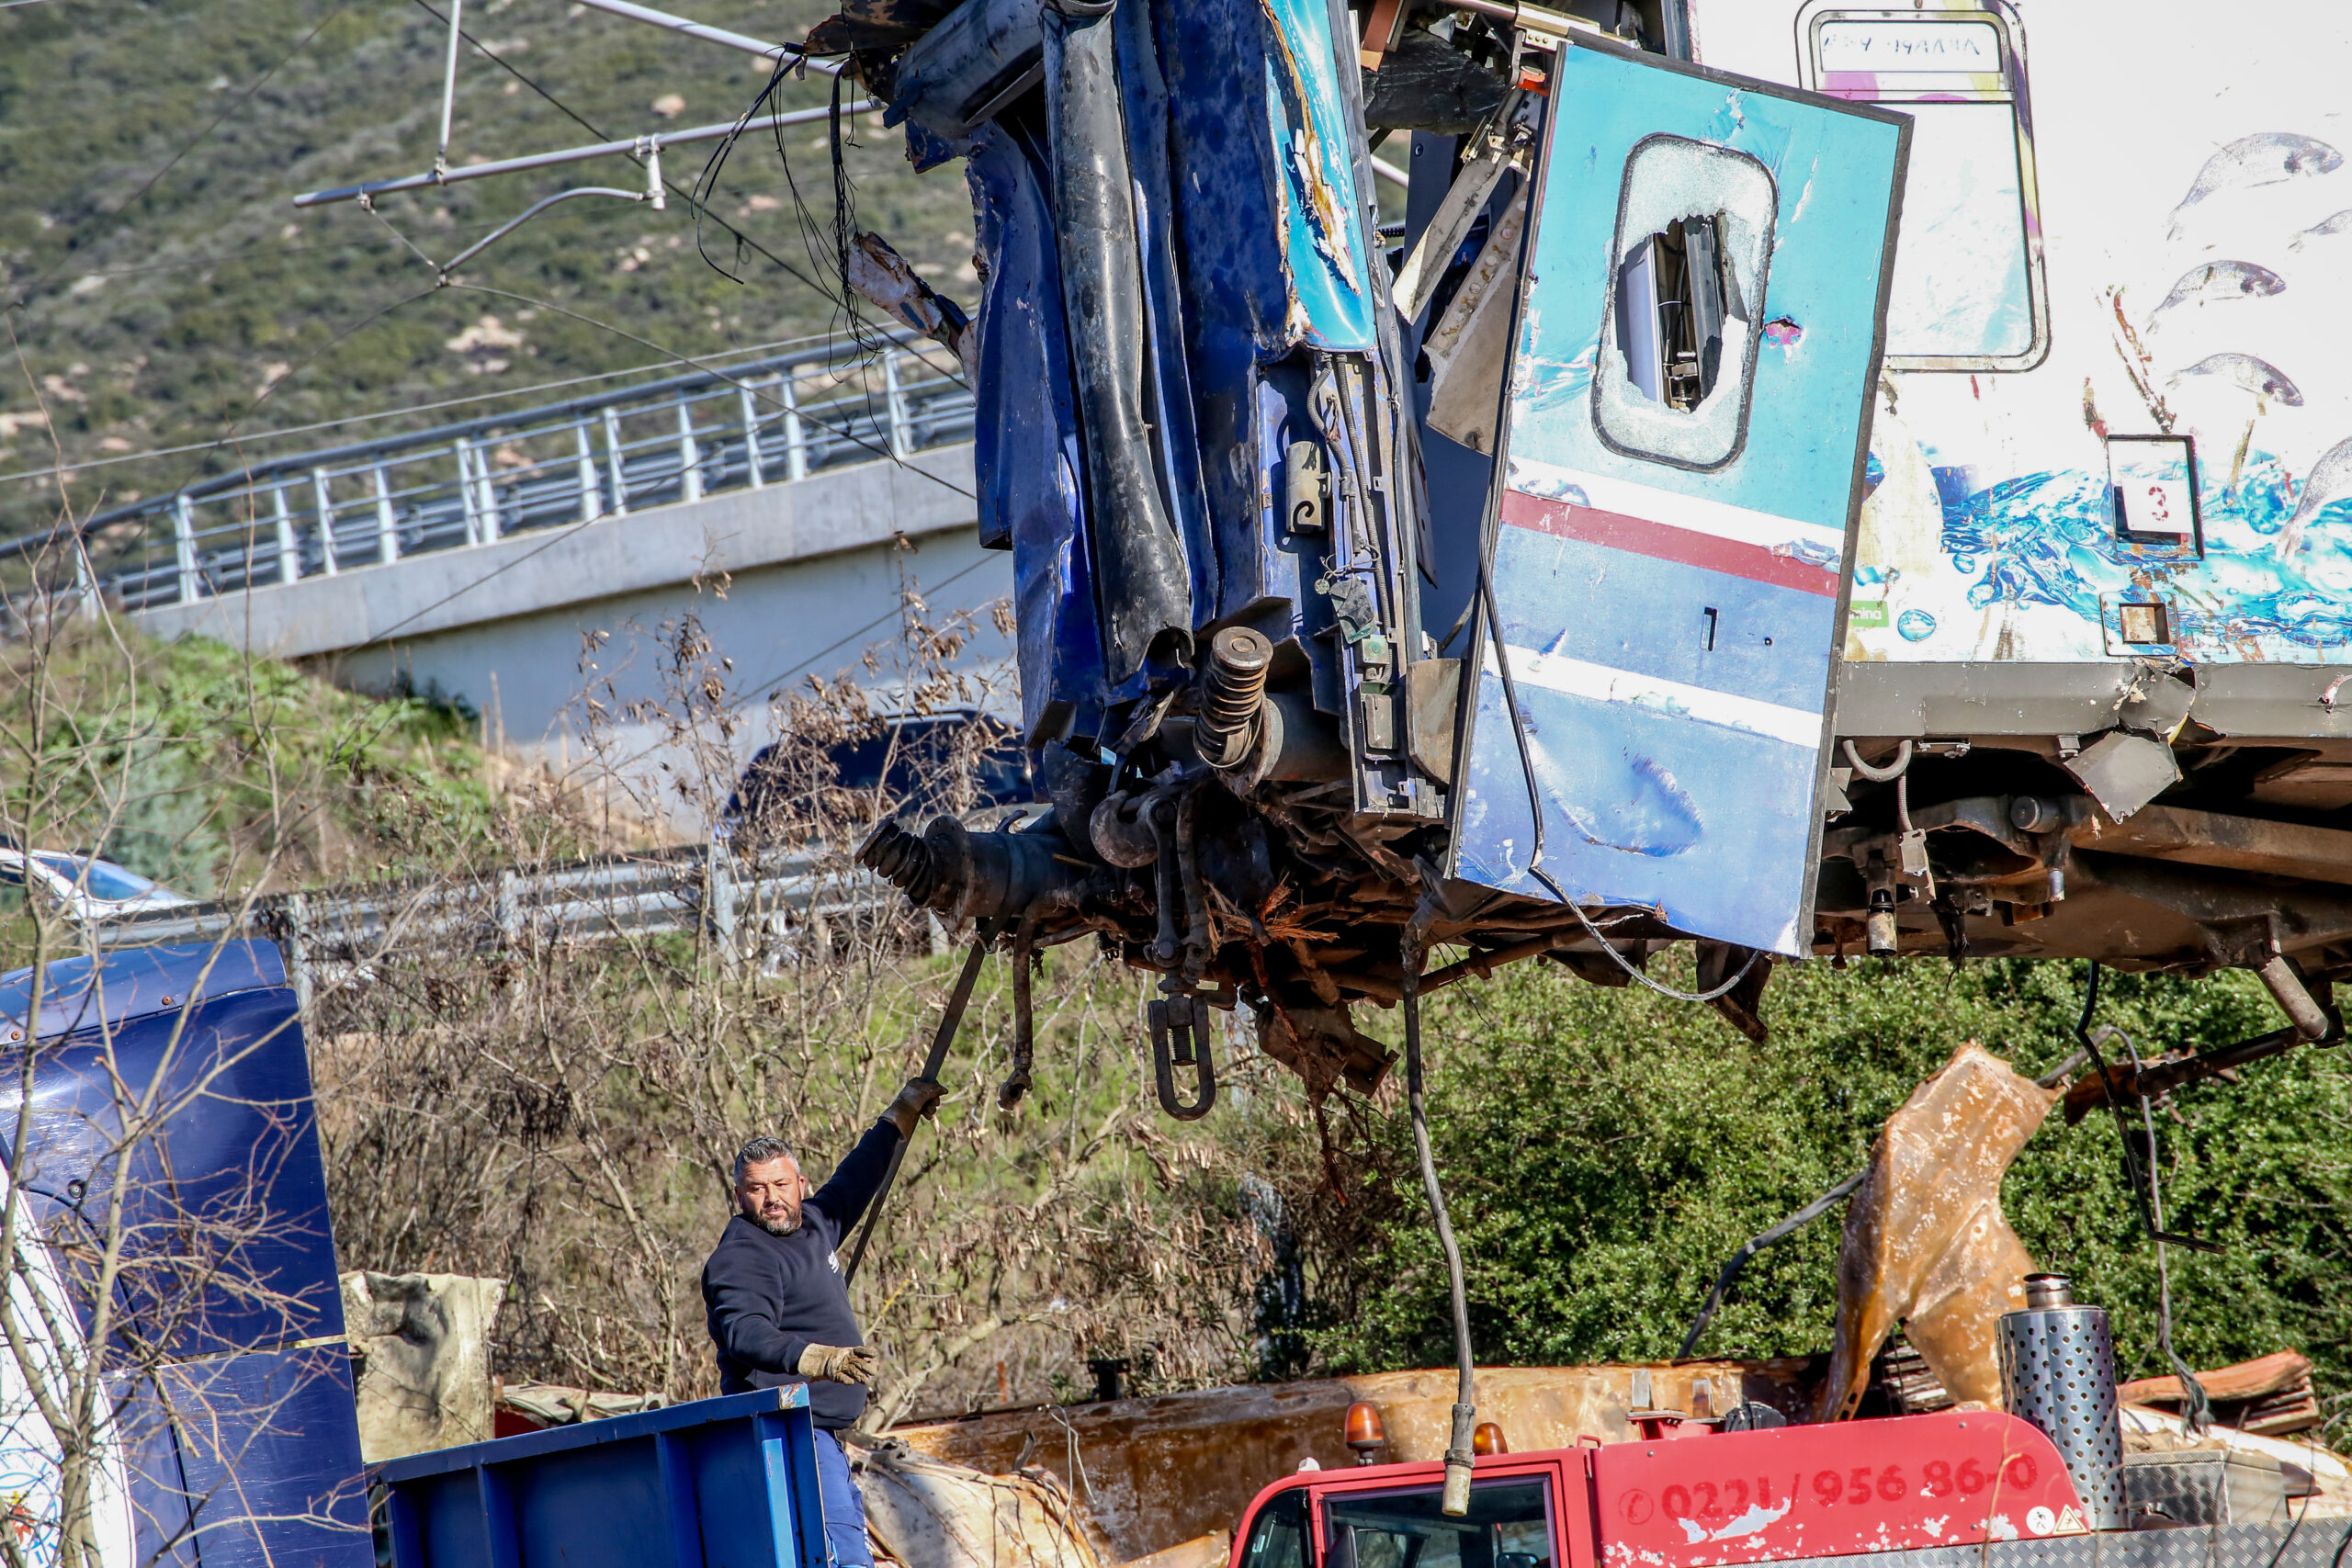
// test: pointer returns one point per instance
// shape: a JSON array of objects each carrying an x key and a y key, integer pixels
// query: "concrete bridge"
[{"x": 525, "y": 562}]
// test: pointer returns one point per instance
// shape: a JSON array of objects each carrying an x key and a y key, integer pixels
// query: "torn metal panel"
[
  {"x": 1667, "y": 579},
  {"x": 1172, "y": 388},
  {"x": 1425, "y": 84},
  {"x": 1505, "y": 145},
  {"x": 1026, "y": 456},
  {"x": 1926, "y": 1244},
  {"x": 2123, "y": 771},
  {"x": 1329, "y": 272},
  {"x": 1247, "y": 391},
  {"x": 889, "y": 284},
  {"x": 987, "y": 55},
  {"x": 876, "y": 25},
  {"x": 1469, "y": 346}
]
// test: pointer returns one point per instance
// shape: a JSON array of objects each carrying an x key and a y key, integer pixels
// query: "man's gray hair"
[{"x": 759, "y": 1151}]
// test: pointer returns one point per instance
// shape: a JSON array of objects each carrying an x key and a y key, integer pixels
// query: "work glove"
[
  {"x": 919, "y": 1098},
  {"x": 839, "y": 1363}
]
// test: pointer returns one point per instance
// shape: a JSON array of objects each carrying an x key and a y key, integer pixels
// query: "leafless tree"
[{"x": 139, "y": 1268}]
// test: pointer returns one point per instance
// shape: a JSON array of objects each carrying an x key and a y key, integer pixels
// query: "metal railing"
[
  {"x": 747, "y": 907},
  {"x": 459, "y": 486}
]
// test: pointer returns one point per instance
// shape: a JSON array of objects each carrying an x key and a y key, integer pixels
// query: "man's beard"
[{"x": 775, "y": 1227}]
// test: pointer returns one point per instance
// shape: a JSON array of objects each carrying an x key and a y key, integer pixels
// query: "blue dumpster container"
[{"x": 727, "y": 1483}]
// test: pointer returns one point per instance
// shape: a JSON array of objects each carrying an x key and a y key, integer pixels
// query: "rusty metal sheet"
[
  {"x": 1163, "y": 1472},
  {"x": 1926, "y": 1243}
]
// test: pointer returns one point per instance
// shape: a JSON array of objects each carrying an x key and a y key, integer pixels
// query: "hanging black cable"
[
  {"x": 1455, "y": 1501},
  {"x": 2197, "y": 1411},
  {"x": 2138, "y": 1179}
]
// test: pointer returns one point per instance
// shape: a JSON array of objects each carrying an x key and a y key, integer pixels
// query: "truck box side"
[{"x": 727, "y": 1483}]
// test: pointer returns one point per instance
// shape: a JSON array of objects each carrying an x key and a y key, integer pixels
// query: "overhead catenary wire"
[
  {"x": 705, "y": 33},
  {"x": 223, "y": 258},
  {"x": 701, "y": 209},
  {"x": 634, "y": 147},
  {"x": 601, "y": 134},
  {"x": 426, "y": 5},
  {"x": 741, "y": 239}
]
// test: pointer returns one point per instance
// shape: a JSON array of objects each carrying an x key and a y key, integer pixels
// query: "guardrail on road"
[{"x": 742, "y": 904}]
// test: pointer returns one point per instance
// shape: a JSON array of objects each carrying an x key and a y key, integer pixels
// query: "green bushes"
[{"x": 1604, "y": 1151}]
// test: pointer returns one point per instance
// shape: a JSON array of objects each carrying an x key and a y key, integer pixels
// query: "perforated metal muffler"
[{"x": 2058, "y": 1372}]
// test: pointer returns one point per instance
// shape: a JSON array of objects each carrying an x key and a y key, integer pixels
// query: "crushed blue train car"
[{"x": 1535, "y": 573}]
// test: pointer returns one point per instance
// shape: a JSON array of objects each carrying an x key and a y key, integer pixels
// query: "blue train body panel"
[
  {"x": 725, "y": 1483},
  {"x": 236, "y": 1436},
  {"x": 1253, "y": 251},
  {"x": 1670, "y": 572}
]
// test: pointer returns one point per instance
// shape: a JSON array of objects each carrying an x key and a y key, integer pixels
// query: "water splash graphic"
[{"x": 2049, "y": 539}]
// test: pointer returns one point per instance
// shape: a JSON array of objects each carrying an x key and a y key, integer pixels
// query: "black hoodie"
[{"x": 769, "y": 1297}]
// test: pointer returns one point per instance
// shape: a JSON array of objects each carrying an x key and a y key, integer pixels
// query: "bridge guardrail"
[{"x": 771, "y": 421}]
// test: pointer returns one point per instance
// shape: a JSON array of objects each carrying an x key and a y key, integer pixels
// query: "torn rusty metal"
[
  {"x": 1926, "y": 1244},
  {"x": 1165, "y": 1471}
]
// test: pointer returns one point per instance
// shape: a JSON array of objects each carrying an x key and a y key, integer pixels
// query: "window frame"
[
  {"x": 1608, "y": 342},
  {"x": 2010, "y": 87},
  {"x": 1570, "y": 1549}
]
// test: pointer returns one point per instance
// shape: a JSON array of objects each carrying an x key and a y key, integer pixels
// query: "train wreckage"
[{"x": 1803, "y": 493}]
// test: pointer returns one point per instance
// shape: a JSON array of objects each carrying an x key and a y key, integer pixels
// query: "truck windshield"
[{"x": 1509, "y": 1526}]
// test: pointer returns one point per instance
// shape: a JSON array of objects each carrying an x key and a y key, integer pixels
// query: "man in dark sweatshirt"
[{"x": 779, "y": 1309}]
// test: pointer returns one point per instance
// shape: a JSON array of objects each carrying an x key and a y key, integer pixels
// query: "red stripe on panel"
[{"x": 1660, "y": 541}]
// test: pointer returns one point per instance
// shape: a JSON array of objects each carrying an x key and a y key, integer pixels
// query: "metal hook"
[{"x": 1180, "y": 1037}]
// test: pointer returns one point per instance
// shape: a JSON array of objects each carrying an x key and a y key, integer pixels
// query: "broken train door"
[{"x": 1684, "y": 426}]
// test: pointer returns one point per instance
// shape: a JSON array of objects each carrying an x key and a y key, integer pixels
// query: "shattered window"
[
  {"x": 1967, "y": 291},
  {"x": 1678, "y": 342}
]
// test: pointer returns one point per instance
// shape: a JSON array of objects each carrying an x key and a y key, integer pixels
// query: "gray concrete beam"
[{"x": 830, "y": 513}]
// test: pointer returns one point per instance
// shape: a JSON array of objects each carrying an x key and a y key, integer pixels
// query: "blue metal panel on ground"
[
  {"x": 1669, "y": 573},
  {"x": 241, "y": 1442},
  {"x": 268, "y": 1455},
  {"x": 80, "y": 993},
  {"x": 237, "y": 1153},
  {"x": 727, "y": 1483}
]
